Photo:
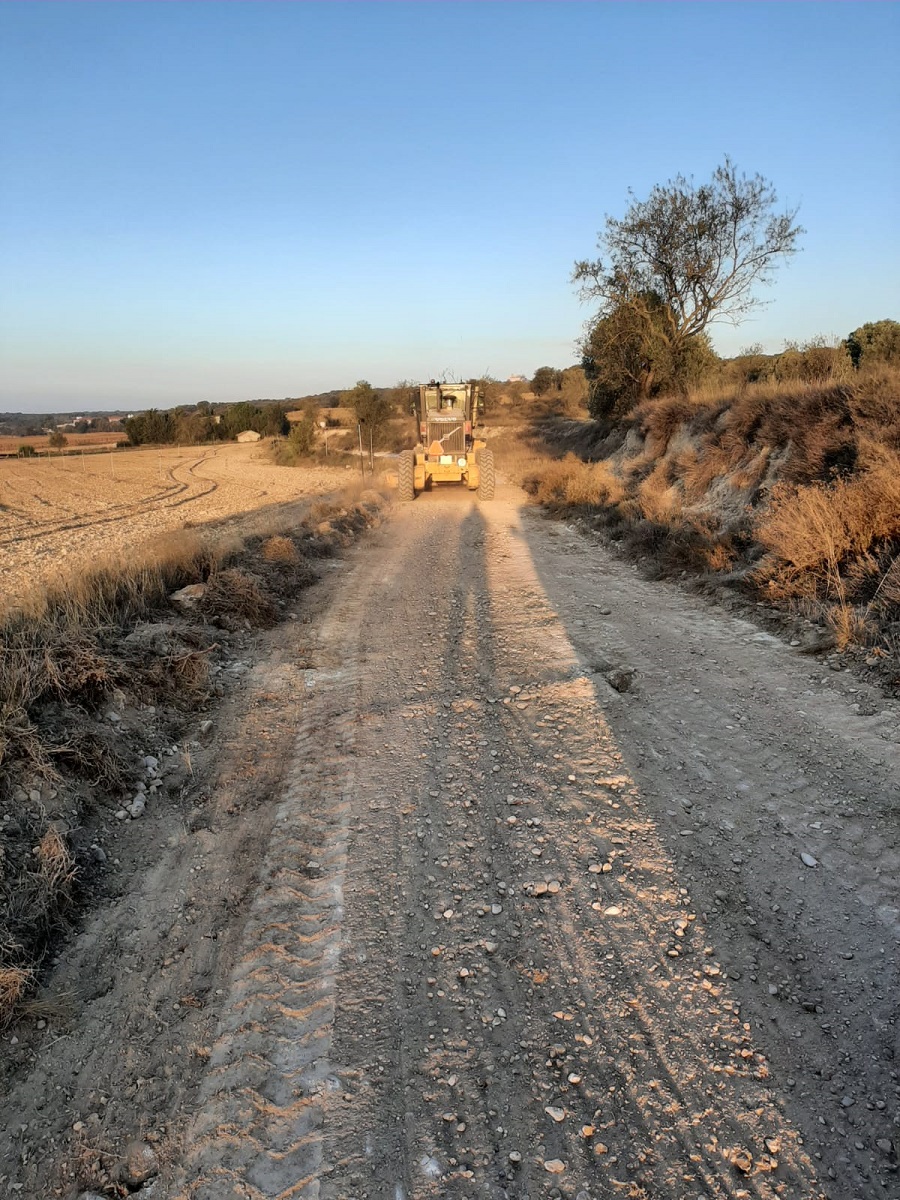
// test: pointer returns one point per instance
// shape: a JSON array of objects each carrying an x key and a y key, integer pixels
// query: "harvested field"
[
  {"x": 65, "y": 512},
  {"x": 74, "y": 442}
]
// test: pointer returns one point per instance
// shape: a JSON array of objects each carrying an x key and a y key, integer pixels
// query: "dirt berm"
[{"x": 515, "y": 876}]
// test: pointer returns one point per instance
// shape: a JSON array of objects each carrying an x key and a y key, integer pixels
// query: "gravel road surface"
[
  {"x": 579, "y": 888},
  {"x": 517, "y": 876}
]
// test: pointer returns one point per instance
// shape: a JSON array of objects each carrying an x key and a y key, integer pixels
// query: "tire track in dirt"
[
  {"x": 124, "y": 512},
  {"x": 259, "y": 1129}
]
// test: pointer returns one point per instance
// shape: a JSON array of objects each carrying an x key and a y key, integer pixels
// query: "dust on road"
[{"x": 517, "y": 933}]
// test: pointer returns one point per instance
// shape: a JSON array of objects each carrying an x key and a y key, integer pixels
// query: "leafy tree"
[
  {"x": 404, "y": 396},
  {"x": 876, "y": 341},
  {"x": 239, "y": 417},
  {"x": 303, "y": 432},
  {"x": 272, "y": 421},
  {"x": 686, "y": 256},
  {"x": 57, "y": 440},
  {"x": 192, "y": 428},
  {"x": 546, "y": 378},
  {"x": 371, "y": 406},
  {"x": 627, "y": 358},
  {"x": 815, "y": 361},
  {"x": 149, "y": 428}
]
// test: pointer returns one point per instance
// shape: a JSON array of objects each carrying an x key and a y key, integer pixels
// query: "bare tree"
[{"x": 690, "y": 255}]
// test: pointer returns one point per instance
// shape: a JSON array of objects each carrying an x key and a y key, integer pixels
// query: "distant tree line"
[
  {"x": 611, "y": 374},
  {"x": 191, "y": 426}
]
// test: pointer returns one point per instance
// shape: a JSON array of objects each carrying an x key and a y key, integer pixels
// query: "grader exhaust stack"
[{"x": 450, "y": 449}]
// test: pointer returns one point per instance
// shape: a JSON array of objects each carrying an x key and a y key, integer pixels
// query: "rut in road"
[{"x": 472, "y": 968}]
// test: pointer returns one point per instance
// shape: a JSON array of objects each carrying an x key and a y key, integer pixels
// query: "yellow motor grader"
[{"x": 450, "y": 449}]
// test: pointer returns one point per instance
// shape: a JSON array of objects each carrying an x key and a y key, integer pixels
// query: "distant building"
[
  {"x": 249, "y": 435},
  {"x": 517, "y": 379}
]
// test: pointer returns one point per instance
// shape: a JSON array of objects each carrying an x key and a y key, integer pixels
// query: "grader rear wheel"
[
  {"x": 486, "y": 475},
  {"x": 406, "y": 476}
]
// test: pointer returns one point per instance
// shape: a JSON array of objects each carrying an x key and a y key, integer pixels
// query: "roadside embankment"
[{"x": 789, "y": 494}]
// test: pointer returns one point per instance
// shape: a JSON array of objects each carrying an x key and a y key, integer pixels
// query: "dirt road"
[{"x": 483, "y": 925}]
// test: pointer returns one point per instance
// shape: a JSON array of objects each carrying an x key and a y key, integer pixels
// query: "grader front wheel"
[
  {"x": 406, "y": 476},
  {"x": 486, "y": 475}
]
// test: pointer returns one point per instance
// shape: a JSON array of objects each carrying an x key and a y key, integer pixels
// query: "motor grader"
[{"x": 450, "y": 448}]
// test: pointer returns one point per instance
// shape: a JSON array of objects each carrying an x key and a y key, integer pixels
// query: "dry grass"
[
  {"x": 574, "y": 483},
  {"x": 66, "y": 650},
  {"x": 14, "y": 985},
  {"x": 55, "y": 861},
  {"x": 850, "y": 626},
  {"x": 280, "y": 550},
  {"x": 805, "y": 475},
  {"x": 658, "y": 498},
  {"x": 815, "y": 534}
]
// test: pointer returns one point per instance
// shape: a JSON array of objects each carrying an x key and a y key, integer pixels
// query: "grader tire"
[
  {"x": 486, "y": 475},
  {"x": 406, "y": 476}
]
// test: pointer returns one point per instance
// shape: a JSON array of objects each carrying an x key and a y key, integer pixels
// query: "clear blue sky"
[{"x": 223, "y": 201}]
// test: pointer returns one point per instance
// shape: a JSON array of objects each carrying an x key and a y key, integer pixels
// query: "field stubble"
[{"x": 61, "y": 514}]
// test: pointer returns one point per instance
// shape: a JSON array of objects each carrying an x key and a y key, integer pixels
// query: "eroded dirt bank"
[{"x": 459, "y": 918}]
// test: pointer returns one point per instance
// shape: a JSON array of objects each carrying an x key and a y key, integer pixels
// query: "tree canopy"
[
  {"x": 627, "y": 358},
  {"x": 686, "y": 256},
  {"x": 874, "y": 342},
  {"x": 544, "y": 379},
  {"x": 372, "y": 406},
  {"x": 691, "y": 254}
]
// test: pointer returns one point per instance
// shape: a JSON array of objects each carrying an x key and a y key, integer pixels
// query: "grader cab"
[{"x": 450, "y": 449}]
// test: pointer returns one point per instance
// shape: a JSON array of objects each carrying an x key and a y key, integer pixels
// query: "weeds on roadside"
[
  {"x": 69, "y": 648},
  {"x": 791, "y": 488}
]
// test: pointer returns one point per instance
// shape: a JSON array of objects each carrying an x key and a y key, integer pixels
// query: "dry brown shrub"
[
  {"x": 595, "y": 483},
  {"x": 850, "y": 626},
  {"x": 14, "y": 984},
  {"x": 320, "y": 510},
  {"x": 280, "y": 549},
  {"x": 190, "y": 670},
  {"x": 659, "y": 500},
  {"x": 814, "y": 528},
  {"x": 75, "y": 667},
  {"x": 719, "y": 557},
  {"x": 236, "y": 593},
  {"x": 569, "y": 481},
  {"x": 55, "y": 860},
  {"x": 875, "y": 404},
  {"x": 95, "y": 756},
  {"x": 549, "y": 483}
]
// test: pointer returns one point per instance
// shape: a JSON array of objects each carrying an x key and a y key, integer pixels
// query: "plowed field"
[{"x": 65, "y": 512}]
